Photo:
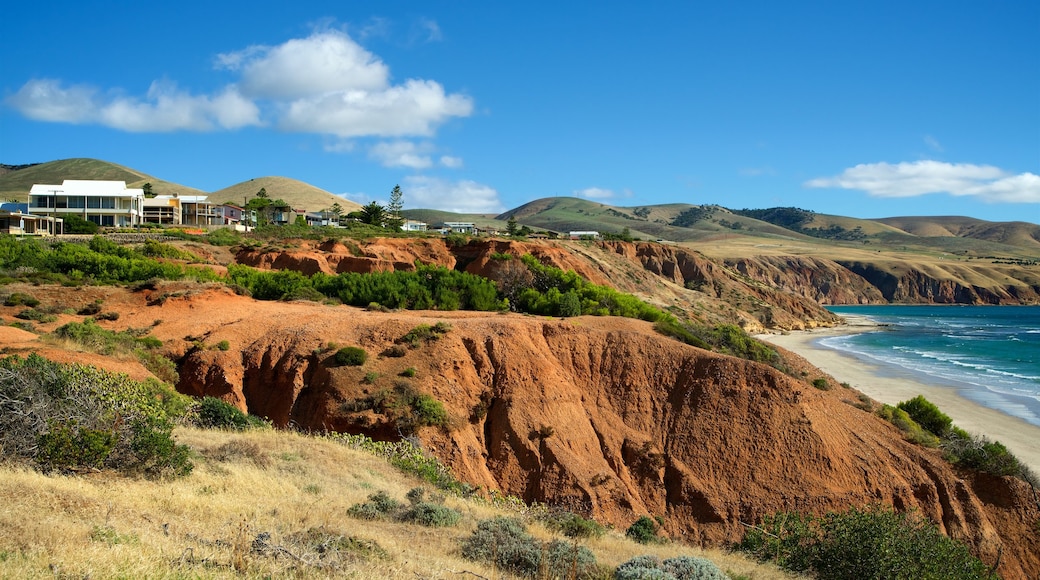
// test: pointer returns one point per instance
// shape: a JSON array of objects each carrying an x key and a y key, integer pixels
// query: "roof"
[{"x": 87, "y": 187}]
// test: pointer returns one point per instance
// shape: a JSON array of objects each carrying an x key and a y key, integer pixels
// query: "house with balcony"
[
  {"x": 162, "y": 209},
  {"x": 106, "y": 203},
  {"x": 461, "y": 227}
]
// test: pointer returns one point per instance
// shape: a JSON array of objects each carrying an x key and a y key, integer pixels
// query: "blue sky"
[{"x": 865, "y": 109}]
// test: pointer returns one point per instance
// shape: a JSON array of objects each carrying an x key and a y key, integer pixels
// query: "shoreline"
[{"x": 887, "y": 385}]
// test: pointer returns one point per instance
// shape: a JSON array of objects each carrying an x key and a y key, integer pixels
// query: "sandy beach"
[{"x": 1020, "y": 437}]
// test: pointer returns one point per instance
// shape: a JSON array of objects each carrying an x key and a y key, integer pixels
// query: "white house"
[
  {"x": 413, "y": 226},
  {"x": 461, "y": 227},
  {"x": 584, "y": 235},
  {"x": 106, "y": 203},
  {"x": 15, "y": 219}
]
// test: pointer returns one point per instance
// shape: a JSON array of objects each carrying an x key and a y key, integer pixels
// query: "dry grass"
[{"x": 295, "y": 488}]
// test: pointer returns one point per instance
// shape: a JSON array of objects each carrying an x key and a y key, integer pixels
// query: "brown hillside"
[
  {"x": 298, "y": 194},
  {"x": 601, "y": 414}
]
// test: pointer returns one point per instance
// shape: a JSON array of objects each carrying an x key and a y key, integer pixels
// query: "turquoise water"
[{"x": 990, "y": 354}]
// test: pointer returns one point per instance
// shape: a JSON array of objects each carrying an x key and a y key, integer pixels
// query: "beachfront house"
[{"x": 106, "y": 203}]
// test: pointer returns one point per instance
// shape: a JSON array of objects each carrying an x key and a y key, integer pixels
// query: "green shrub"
[
  {"x": 927, "y": 415},
  {"x": 505, "y": 543},
  {"x": 911, "y": 430},
  {"x": 370, "y": 378},
  {"x": 69, "y": 416},
  {"x": 679, "y": 568},
  {"x": 36, "y": 316},
  {"x": 351, "y": 356},
  {"x": 432, "y": 515},
  {"x": 408, "y": 372},
  {"x": 380, "y": 506},
  {"x": 821, "y": 383},
  {"x": 643, "y": 530},
  {"x": 67, "y": 446},
  {"x": 978, "y": 452},
  {"x": 874, "y": 542},
  {"x": 90, "y": 309},
  {"x": 573, "y": 525},
  {"x": 223, "y": 345},
  {"x": 423, "y": 333},
  {"x": 429, "y": 412},
  {"x": 213, "y": 413},
  {"x": 21, "y": 299}
]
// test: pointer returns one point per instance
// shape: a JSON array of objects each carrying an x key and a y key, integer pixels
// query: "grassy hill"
[
  {"x": 298, "y": 194},
  {"x": 16, "y": 184},
  {"x": 261, "y": 504},
  {"x": 435, "y": 216}
]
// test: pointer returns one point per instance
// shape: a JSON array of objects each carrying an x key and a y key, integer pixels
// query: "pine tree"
[{"x": 394, "y": 220}]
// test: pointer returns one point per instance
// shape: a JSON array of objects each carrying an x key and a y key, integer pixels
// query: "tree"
[
  {"x": 147, "y": 189},
  {"x": 511, "y": 226},
  {"x": 262, "y": 193},
  {"x": 373, "y": 214},
  {"x": 337, "y": 211},
  {"x": 393, "y": 209},
  {"x": 74, "y": 224}
]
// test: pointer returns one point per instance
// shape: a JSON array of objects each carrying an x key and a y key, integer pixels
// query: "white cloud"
[
  {"x": 164, "y": 108},
  {"x": 302, "y": 67},
  {"x": 451, "y": 162},
  {"x": 986, "y": 182},
  {"x": 463, "y": 196},
  {"x": 414, "y": 108},
  {"x": 594, "y": 193},
  {"x": 48, "y": 100},
  {"x": 431, "y": 28},
  {"x": 402, "y": 154},
  {"x": 933, "y": 143},
  {"x": 325, "y": 84}
]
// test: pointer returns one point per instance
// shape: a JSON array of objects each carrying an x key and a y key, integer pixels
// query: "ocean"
[{"x": 989, "y": 354}]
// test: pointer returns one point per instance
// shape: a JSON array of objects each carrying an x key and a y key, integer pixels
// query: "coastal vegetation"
[
  {"x": 923, "y": 423},
  {"x": 871, "y": 542}
]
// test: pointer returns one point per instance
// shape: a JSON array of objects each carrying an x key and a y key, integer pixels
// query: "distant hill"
[
  {"x": 17, "y": 183},
  {"x": 435, "y": 216},
  {"x": 296, "y": 193},
  {"x": 1013, "y": 233}
]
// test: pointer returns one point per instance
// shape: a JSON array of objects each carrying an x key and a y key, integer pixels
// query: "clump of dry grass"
[{"x": 258, "y": 504}]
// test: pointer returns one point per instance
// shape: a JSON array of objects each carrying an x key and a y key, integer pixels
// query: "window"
[{"x": 77, "y": 201}]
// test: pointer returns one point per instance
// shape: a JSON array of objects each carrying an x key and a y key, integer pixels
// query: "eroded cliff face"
[
  {"x": 604, "y": 416},
  {"x": 954, "y": 284}
]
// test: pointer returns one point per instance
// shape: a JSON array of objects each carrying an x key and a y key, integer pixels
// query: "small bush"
[
  {"x": 408, "y": 372},
  {"x": 351, "y": 356},
  {"x": 505, "y": 543},
  {"x": 21, "y": 299},
  {"x": 643, "y": 530},
  {"x": 395, "y": 351},
  {"x": 223, "y": 345},
  {"x": 36, "y": 316},
  {"x": 370, "y": 378},
  {"x": 911, "y": 430},
  {"x": 978, "y": 452},
  {"x": 432, "y": 515},
  {"x": 90, "y": 309},
  {"x": 573, "y": 525},
  {"x": 927, "y": 415},
  {"x": 862, "y": 543},
  {"x": 821, "y": 383},
  {"x": 213, "y": 413},
  {"x": 648, "y": 567},
  {"x": 380, "y": 506}
]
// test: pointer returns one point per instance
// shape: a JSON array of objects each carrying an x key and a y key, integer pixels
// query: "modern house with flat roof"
[
  {"x": 414, "y": 226},
  {"x": 15, "y": 219},
  {"x": 106, "y": 203}
]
